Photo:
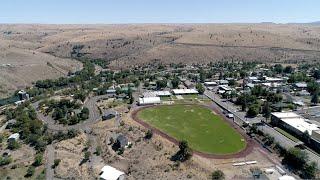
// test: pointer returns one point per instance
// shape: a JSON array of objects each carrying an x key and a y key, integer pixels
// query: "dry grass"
[{"x": 30, "y": 47}]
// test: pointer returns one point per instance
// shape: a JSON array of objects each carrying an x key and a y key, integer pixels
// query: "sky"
[{"x": 158, "y": 11}]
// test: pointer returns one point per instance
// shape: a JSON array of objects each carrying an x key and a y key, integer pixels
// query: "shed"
[{"x": 111, "y": 173}]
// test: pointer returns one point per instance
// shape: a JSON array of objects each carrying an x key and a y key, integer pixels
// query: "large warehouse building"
[{"x": 299, "y": 126}]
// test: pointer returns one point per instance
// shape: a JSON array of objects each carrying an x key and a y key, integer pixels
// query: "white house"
[
  {"x": 111, "y": 173},
  {"x": 149, "y": 100}
]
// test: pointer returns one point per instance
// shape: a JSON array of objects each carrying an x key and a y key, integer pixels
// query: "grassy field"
[{"x": 204, "y": 131}]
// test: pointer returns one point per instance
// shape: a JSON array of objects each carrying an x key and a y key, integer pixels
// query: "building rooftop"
[
  {"x": 156, "y": 93},
  {"x": 272, "y": 79},
  {"x": 150, "y": 100},
  {"x": 110, "y": 173},
  {"x": 185, "y": 91},
  {"x": 301, "y": 85},
  {"x": 282, "y": 115},
  {"x": 297, "y": 121}
]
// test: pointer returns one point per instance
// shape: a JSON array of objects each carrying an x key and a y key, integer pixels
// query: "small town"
[
  {"x": 273, "y": 107},
  {"x": 159, "y": 90}
]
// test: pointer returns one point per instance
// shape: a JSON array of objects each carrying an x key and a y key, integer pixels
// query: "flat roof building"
[
  {"x": 156, "y": 94},
  {"x": 294, "y": 122},
  {"x": 184, "y": 91},
  {"x": 149, "y": 100}
]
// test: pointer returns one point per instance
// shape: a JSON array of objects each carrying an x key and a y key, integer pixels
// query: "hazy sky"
[{"x": 158, "y": 11}]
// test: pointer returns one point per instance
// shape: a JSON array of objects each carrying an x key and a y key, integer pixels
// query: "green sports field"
[{"x": 204, "y": 131}]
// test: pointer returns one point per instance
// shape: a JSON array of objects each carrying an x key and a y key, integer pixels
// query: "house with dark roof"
[
  {"x": 122, "y": 141},
  {"x": 109, "y": 114}
]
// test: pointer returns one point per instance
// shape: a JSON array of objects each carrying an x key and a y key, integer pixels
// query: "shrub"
[
  {"x": 38, "y": 160},
  {"x": 217, "y": 174},
  {"x": 149, "y": 134},
  {"x": 30, "y": 171},
  {"x": 56, "y": 163},
  {"x": 13, "y": 145}
]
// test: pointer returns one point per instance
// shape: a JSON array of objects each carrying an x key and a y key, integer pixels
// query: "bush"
[
  {"x": 38, "y": 160},
  {"x": 98, "y": 151},
  {"x": 56, "y": 163},
  {"x": 5, "y": 161},
  {"x": 13, "y": 145},
  {"x": 30, "y": 171},
  {"x": 149, "y": 134},
  {"x": 217, "y": 174}
]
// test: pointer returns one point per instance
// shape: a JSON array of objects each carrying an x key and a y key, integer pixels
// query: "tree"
[
  {"x": 175, "y": 82},
  {"x": 149, "y": 134},
  {"x": 161, "y": 84},
  {"x": 315, "y": 98},
  {"x": 200, "y": 88},
  {"x": 288, "y": 70},
  {"x": 309, "y": 171},
  {"x": 295, "y": 158},
  {"x": 253, "y": 110},
  {"x": 313, "y": 87},
  {"x": 316, "y": 74},
  {"x": 38, "y": 160},
  {"x": 232, "y": 82},
  {"x": 84, "y": 114},
  {"x": 118, "y": 90},
  {"x": 278, "y": 68},
  {"x": 202, "y": 76},
  {"x": 185, "y": 151},
  {"x": 266, "y": 110},
  {"x": 268, "y": 140},
  {"x": 217, "y": 175}
]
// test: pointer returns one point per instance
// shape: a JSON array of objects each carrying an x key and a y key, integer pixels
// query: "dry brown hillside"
[{"x": 29, "y": 48}]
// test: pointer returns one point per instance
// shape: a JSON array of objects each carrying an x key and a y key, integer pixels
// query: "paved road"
[
  {"x": 49, "y": 161},
  {"x": 231, "y": 108},
  {"x": 278, "y": 137}
]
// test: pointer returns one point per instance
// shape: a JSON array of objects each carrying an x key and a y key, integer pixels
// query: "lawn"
[{"x": 204, "y": 131}]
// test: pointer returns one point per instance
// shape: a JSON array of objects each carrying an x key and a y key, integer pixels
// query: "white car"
[{"x": 230, "y": 115}]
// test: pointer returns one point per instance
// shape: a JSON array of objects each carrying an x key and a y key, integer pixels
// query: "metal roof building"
[
  {"x": 184, "y": 91},
  {"x": 156, "y": 93},
  {"x": 111, "y": 173},
  {"x": 296, "y": 121},
  {"x": 149, "y": 100}
]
